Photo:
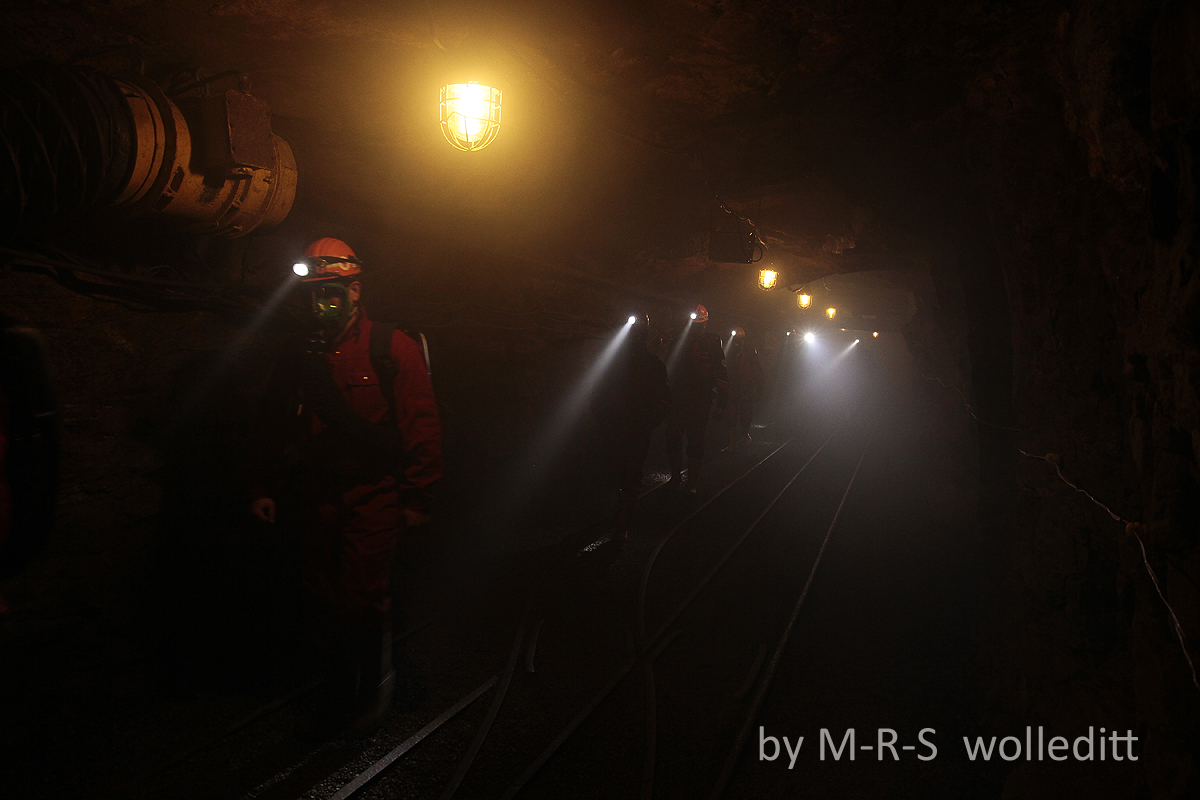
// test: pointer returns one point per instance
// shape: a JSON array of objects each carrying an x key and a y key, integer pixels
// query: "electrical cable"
[
  {"x": 968, "y": 406},
  {"x": 77, "y": 266},
  {"x": 1134, "y": 529},
  {"x": 243, "y": 80},
  {"x": 144, "y": 294}
]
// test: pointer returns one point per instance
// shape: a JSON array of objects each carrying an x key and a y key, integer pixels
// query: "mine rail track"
[
  {"x": 525, "y": 640},
  {"x": 654, "y": 643},
  {"x": 266, "y": 709},
  {"x": 648, "y": 646}
]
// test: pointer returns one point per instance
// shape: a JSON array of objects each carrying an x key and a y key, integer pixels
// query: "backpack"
[{"x": 380, "y": 350}]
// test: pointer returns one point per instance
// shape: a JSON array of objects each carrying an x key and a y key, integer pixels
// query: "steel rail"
[
  {"x": 364, "y": 777},
  {"x": 648, "y": 765},
  {"x": 261, "y": 712},
  {"x": 765, "y": 684},
  {"x": 649, "y": 642}
]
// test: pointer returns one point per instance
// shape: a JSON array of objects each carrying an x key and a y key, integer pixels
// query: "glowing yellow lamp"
[
  {"x": 831, "y": 312},
  {"x": 875, "y": 334},
  {"x": 470, "y": 115},
  {"x": 804, "y": 300},
  {"x": 767, "y": 278}
]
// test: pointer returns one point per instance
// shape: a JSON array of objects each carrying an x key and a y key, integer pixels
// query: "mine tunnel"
[{"x": 598, "y": 399}]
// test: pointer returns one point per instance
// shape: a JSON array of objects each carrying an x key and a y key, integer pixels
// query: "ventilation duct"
[{"x": 81, "y": 143}]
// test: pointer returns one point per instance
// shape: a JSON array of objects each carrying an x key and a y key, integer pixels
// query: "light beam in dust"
[
  {"x": 229, "y": 355},
  {"x": 845, "y": 352},
  {"x": 553, "y": 436},
  {"x": 678, "y": 348}
]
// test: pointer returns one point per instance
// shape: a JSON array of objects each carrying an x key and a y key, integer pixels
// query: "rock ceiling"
[{"x": 625, "y": 121}]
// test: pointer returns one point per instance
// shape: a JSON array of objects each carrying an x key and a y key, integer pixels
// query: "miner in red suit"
[
  {"x": 699, "y": 374},
  {"x": 362, "y": 437}
]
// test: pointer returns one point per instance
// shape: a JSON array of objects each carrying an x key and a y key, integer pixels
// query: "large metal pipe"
[{"x": 79, "y": 141}]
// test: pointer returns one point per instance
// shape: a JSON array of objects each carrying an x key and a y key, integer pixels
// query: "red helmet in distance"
[{"x": 700, "y": 314}]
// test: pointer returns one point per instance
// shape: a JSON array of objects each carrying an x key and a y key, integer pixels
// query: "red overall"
[{"x": 353, "y": 521}]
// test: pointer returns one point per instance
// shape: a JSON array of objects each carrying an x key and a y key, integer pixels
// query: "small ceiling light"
[
  {"x": 804, "y": 300},
  {"x": 808, "y": 337},
  {"x": 789, "y": 333},
  {"x": 470, "y": 115},
  {"x": 300, "y": 268},
  {"x": 767, "y": 278},
  {"x": 831, "y": 312},
  {"x": 875, "y": 334}
]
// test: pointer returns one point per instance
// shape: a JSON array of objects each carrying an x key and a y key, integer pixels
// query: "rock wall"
[{"x": 1084, "y": 150}]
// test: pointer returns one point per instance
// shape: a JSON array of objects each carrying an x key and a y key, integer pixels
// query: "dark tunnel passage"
[{"x": 714, "y": 398}]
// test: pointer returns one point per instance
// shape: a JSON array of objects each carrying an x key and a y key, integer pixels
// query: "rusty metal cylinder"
[
  {"x": 216, "y": 169},
  {"x": 79, "y": 143}
]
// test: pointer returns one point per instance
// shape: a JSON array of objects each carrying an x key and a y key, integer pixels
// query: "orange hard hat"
[
  {"x": 328, "y": 259},
  {"x": 328, "y": 247},
  {"x": 700, "y": 314}
]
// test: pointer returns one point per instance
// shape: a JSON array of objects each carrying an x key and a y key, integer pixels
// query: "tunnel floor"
[{"x": 882, "y": 642}]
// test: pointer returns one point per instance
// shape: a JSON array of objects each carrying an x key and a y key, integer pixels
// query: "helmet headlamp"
[{"x": 327, "y": 268}]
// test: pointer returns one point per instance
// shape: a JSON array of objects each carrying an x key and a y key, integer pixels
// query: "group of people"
[{"x": 706, "y": 382}]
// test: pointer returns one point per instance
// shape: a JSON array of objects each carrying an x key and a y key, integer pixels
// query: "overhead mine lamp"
[
  {"x": 767, "y": 278},
  {"x": 470, "y": 114},
  {"x": 831, "y": 312},
  {"x": 804, "y": 300}
]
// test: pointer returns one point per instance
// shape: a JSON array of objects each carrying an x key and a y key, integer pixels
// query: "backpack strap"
[
  {"x": 380, "y": 350},
  {"x": 382, "y": 362}
]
